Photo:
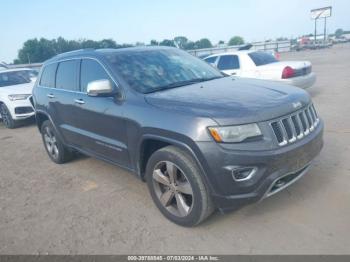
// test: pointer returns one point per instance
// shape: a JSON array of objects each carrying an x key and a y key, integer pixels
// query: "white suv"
[{"x": 15, "y": 91}]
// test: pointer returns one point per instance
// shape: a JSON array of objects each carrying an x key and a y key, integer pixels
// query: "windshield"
[
  {"x": 262, "y": 58},
  {"x": 154, "y": 70},
  {"x": 12, "y": 78}
]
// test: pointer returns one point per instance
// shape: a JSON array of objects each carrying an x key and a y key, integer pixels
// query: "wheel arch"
[
  {"x": 41, "y": 117},
  {"x": 157, "y": 142}
]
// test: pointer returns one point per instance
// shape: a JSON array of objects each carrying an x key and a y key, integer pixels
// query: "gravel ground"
[{"x": 91, "y": 207}]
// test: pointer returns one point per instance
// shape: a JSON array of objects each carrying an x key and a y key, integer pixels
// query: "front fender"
[{"x": 179, "y": 141}]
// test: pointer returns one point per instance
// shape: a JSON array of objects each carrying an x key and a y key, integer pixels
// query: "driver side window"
[{"x": 91, "y": 70}]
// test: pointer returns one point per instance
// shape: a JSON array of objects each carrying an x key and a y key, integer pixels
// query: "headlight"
[
  {"x": 18, "y": 97},
  {"x": 234, "y": 134}
]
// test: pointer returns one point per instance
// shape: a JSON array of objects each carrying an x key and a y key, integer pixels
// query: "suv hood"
[
  {"x": 17, "y": 89},
  {"x": 231, "y": 101}
]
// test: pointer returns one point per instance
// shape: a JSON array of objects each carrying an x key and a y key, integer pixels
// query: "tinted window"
[
  {"x": 211, "y": 60},
  {"x": 67, "y": 73},
  {"x": 12, "y": 78},
  {"x": 91, "y": 71},
  {"x": 151, "y": 70},
  {"x": 228, "y": 62},
  {"x": 48, "y": 76},
  {"x": 262, "y": 58}
]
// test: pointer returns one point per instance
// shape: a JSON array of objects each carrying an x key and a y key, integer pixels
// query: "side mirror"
[{"x": 101, "y": 87}]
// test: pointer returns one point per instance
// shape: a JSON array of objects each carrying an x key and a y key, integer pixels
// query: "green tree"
[
  {"x": 236, "y": 40},
  {"x": 190, "y": 45},
  {"x": 221, "y": 42},
  {"x": 139, "y": 44},
  {"x": 125, "y": 45},
  {"x": 339, "y": 32},
  {"x": 90, "y": 44},
  {"x": 167, "y": 42},
  {"x": 181, "y": 41},
  {"x": 203, "y": 43},
  {"x": 35, "y": 50},
  {"x": 154, "y": 42},
  {"x": 108, "y": 43}
]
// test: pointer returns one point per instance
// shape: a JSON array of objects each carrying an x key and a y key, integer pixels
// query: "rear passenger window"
[
  {"x": 67, "y": 75},
  {"x": 211, "y": 60},
  {"x": 48, "y": 76},
  {"x": 228, "y": 62},
  {"x": 91, "y": 71},
  {"x": 261, "y": 58}
]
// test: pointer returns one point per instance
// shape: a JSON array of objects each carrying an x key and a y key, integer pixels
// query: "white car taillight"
[{"x": 287, "y": 72}]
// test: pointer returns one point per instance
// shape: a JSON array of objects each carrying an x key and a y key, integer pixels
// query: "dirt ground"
[{"x": 91, "y": 207}]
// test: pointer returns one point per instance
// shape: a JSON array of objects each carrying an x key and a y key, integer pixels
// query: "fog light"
[{"x": 243, "y": 173}]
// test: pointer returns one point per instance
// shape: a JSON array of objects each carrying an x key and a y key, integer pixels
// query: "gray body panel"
[{"x": 114, "y": 129}]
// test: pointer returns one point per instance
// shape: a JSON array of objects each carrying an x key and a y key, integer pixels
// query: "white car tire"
[{"x": 6, "y": 117}]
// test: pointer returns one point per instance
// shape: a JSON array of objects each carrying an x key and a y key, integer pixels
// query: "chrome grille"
[{"x": 295, "y": 126}]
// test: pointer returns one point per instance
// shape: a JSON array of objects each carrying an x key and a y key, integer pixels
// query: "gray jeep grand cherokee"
[{"x": 201, "y": 140}]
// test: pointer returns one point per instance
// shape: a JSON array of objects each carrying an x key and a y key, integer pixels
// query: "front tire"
[
  {"x": 6, "y": 117},
  {"x": 177, "y": 188},
  {"x": 54, "y": 147}
]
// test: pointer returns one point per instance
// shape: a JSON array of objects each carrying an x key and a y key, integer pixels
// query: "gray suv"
[{"x": 201, "y": 140}]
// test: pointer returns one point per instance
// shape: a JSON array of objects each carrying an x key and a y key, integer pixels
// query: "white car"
[
  {"x": 29, "y": 73},
  {"x": 263, "y": 65},
  {"x": 15, "y": 91}
]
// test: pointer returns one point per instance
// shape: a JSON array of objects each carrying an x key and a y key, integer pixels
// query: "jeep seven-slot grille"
[{"x": 295, "y": 126}]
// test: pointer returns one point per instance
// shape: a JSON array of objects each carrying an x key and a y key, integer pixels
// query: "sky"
[{"x": 131, "y": 21}]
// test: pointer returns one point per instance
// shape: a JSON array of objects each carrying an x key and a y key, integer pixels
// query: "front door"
[{"x": 99, "y": 120}]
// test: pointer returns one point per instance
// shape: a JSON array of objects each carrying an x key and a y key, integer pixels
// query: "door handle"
[
  {"x": 50, "y": 96},
  {"x": 79, "y": 101}
]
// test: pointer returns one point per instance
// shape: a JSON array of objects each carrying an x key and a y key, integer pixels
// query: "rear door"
[
  {"x": 44, "y": 93},
  {"x": 229, "y": 64},
  {"x": 63, "y": 102},
  {"x": 98, "y": 121}
]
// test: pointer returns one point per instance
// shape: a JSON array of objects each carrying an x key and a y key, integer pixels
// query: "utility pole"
[
  {"x": 315, "y": 31},
  {"x": 325, "y": 30}
]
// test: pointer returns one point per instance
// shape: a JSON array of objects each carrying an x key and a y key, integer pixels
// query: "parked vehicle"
[
  {"x": 30, "y": 74},
  {"x": 263, "y": 65},
  {"x": 201, "y": 140},
  {"x": 3, "y": 66},
  {"x": 15, "y": 91}
]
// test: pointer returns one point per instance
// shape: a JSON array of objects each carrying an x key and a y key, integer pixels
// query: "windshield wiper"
[{"x": 183, "y": 83}]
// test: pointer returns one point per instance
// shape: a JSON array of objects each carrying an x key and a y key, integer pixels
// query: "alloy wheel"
[
  {"x": 51, "y": 142},
  {"x": 172, "y": 188}
]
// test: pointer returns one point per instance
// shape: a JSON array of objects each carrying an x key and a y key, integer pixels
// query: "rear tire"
[
  {"x": 6, "y": 117},
  {"x": 54, "y": 147},
  {"x": 177, "y": 187}
]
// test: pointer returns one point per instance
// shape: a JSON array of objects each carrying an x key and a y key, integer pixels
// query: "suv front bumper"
[
  {"x": 276, "y": 169},
  {"x": 20, "y": 109}
]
